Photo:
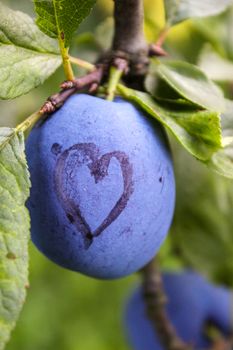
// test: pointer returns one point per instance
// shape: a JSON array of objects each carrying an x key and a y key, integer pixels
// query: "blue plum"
[
  {"x": 103, "y": 188},
  {"x": 192, "y": 302}
]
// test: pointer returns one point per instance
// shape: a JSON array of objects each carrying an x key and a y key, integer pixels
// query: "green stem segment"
[
  {"x": 114, "y": 78},
  {"x": 66, "y": 60},
  {"x": 81, "y": 63},
  {"x": 29, "y": 122}
]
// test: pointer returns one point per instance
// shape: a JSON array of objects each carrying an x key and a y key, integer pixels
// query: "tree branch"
[
  {"x": 129, "y": 36},
  {"x": 155, "y": 299},
  {"x": 55, "y": 101},
  {"x": 129, "y": 41},
  {"x": 87, "y": 80}
]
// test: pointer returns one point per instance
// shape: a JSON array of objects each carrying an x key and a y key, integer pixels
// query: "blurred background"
[{"x": 67, "y": 311}]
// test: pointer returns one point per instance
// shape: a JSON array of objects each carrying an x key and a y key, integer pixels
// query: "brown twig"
[
  {"x": 156, "y": 51},
  {"x": 223, "y": 344},
  {"x": 156, "y": 48},
  {"x": 155, "y": 299},
  {"x": 162, "y": 36},
  {"x": 56, "y": 101},
  {"x": 90, "y": 81},
  {"x": 87, "y": 80},
  {"x": 121, "y": 64}
]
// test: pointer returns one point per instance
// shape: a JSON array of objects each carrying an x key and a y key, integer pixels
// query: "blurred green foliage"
[
  {"x": 202, "y": 230},
  {"x": 67, "y": 311}
]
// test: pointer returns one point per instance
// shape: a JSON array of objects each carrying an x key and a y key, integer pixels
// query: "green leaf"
[
  {"x": 179, "y": 10},
  {"x": 14, "y": 230},
  {"x": 104, "y": 33},
  {"x": 23, "y": 70},
  {"x": 99, "y": 40},
  {"x": 27, "y": 56},
  {"x": 220, "y": 37},
  {"x": 167, "y": 258},
  {"x": 214, "y": 38},
  {"x": 202, "y": 227},
  {"x": 61, "y": 18},
  {"x": 192, "y": 84},
  {"x": 209, "y": 60},
  {"x": 5, "y": 136},
  {"x": 222, "y": 161},
  {"x": 198, "y": 131}
]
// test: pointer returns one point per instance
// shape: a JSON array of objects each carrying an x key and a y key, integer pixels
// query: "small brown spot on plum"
[
  {"x": 56, "y": 149},
  {"x": 11, "y": 256},
  {"x": 160, "y": 179}
]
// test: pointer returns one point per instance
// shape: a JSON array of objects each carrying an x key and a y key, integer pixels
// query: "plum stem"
[
  {"x": 114, "y": 78},
  {"x": 155, "y": 299},
  {"x": 119, "y": 67}
]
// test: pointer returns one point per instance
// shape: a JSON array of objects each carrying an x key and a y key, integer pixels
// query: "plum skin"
[
  {"x": 192, "y": 301},
  {"x": 102, "y": 169}
]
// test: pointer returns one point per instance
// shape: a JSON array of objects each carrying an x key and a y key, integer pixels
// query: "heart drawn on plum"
[{"x": 88, "y": 154}]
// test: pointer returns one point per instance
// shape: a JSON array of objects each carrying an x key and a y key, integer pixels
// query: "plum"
[
  {"x": 103, "y": 189},
  {"x": 192, "y": 302}
]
